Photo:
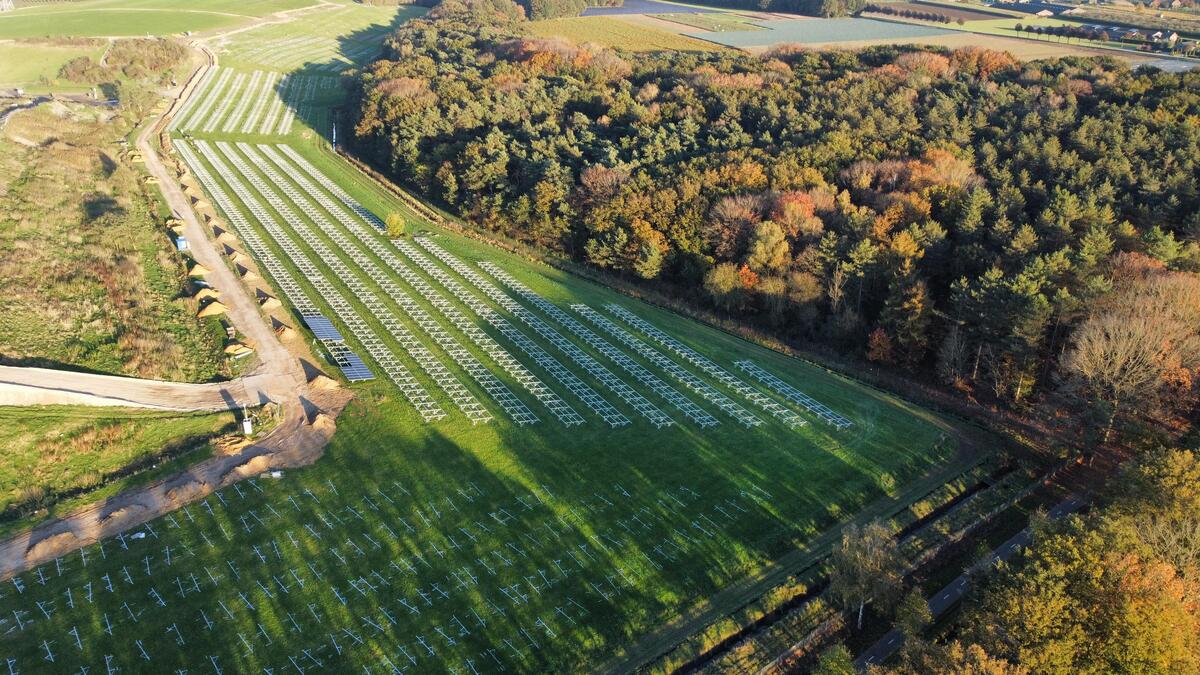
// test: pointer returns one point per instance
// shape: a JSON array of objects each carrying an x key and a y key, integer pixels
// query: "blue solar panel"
[
  {"x": 322, "y": 328},
  {"x": 354, "y": 369}
]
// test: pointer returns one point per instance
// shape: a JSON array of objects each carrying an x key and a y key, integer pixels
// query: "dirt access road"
[{"x": 308, "y": 412}]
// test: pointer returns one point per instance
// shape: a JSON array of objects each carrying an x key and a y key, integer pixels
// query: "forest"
[{"x": 1023, "y": 233}]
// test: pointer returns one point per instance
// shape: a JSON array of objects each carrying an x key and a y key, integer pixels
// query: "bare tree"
[
  {"x": 837, "y": 288},
  {"x": 1125, "y": 350}
]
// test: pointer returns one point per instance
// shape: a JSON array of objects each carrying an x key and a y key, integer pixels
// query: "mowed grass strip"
[
  {"x": 618, "y": 33},
  {"x": 533, "y": 549}
]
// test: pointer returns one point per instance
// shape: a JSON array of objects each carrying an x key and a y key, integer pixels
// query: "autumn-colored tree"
[
  {"x": 954, "y": 658},
  {"x": 1094, "y": 596},
  {"x": 867, "y": 567},
  {"x": 395, "y": 224},
  {"x": 835, "y": 660},
  {"x": 768, "y": 252},
  {"x": 723, "y": 284},
  {"x": 879, "y": 347},
  {"x": 1128, "y": 348}
]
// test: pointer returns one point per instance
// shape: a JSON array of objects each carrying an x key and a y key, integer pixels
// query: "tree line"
[
  {"x": 948, "y": 212},
  {"x": 1113, "y": 590}
]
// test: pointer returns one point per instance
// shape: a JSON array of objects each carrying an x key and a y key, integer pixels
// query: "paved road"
[{"x": 946, "y": 598}]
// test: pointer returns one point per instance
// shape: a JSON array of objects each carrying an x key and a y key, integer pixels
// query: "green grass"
[
  {"x": 572, "y": 495},
  {"x": 69, "y": 455},
  {"x": 135, "y": 17},
  {"x": 32, "y": 65}
]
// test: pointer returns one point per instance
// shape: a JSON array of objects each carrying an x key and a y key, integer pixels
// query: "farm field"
[
  {"x": 821, "y": 31},
  {"x": 134, "y": 17},
  {"x": 717, "y": 21},
  {"x": 539, "y": 470},
  {"x": 622, "y": 32},
  {"x": 78, "y": 455},
  {"x": 330, "y": 38},
  {"x": 29, "y": 64}
]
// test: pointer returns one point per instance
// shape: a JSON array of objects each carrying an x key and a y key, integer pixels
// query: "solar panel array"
[
  {"x": 613, "y": 353},
  {"x": 625, "y": 392},
  {"x": 702, "y": 362},
  {"x": 256, "y": 102},
  {"x": 321, "y": 327},
  {"x": 346, "y": 360},
  {"x": 557, "y": 370},
  {"x": 409, "y": 386},
  {"x": 793, "y": 394},
  {"x": 686, "y": 377},
  {"x": 298, "y": 170},
  {"x": 425, "y": 403},
  {"x": 610, "y": 380},
  {"x": 462, "y": 397}
]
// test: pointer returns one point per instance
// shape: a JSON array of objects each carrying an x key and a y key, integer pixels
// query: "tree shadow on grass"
[{"x": 315, "y": 92}]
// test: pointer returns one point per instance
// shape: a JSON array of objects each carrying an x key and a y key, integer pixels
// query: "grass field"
[
  {"x": 59, "y": 457},
  {"x": 332, "y": 38},
  {"x": 451, "y": 546},
  {"x": 134, "y": 17},
  {"x": 618, "y": 33},
  {"x": 30, "y": 64}
]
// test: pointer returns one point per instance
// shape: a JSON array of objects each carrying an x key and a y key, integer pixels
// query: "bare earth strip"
[{"x": 43, "y": 386}]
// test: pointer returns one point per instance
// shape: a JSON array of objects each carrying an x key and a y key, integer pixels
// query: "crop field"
[
  {"x": 821, "y": 31},
  {"x": 536, "y": 471},
  {"x": 716, "y": 21},
  {"x": 620, "y": 33},
  {"x": 332, "y": 38}
]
